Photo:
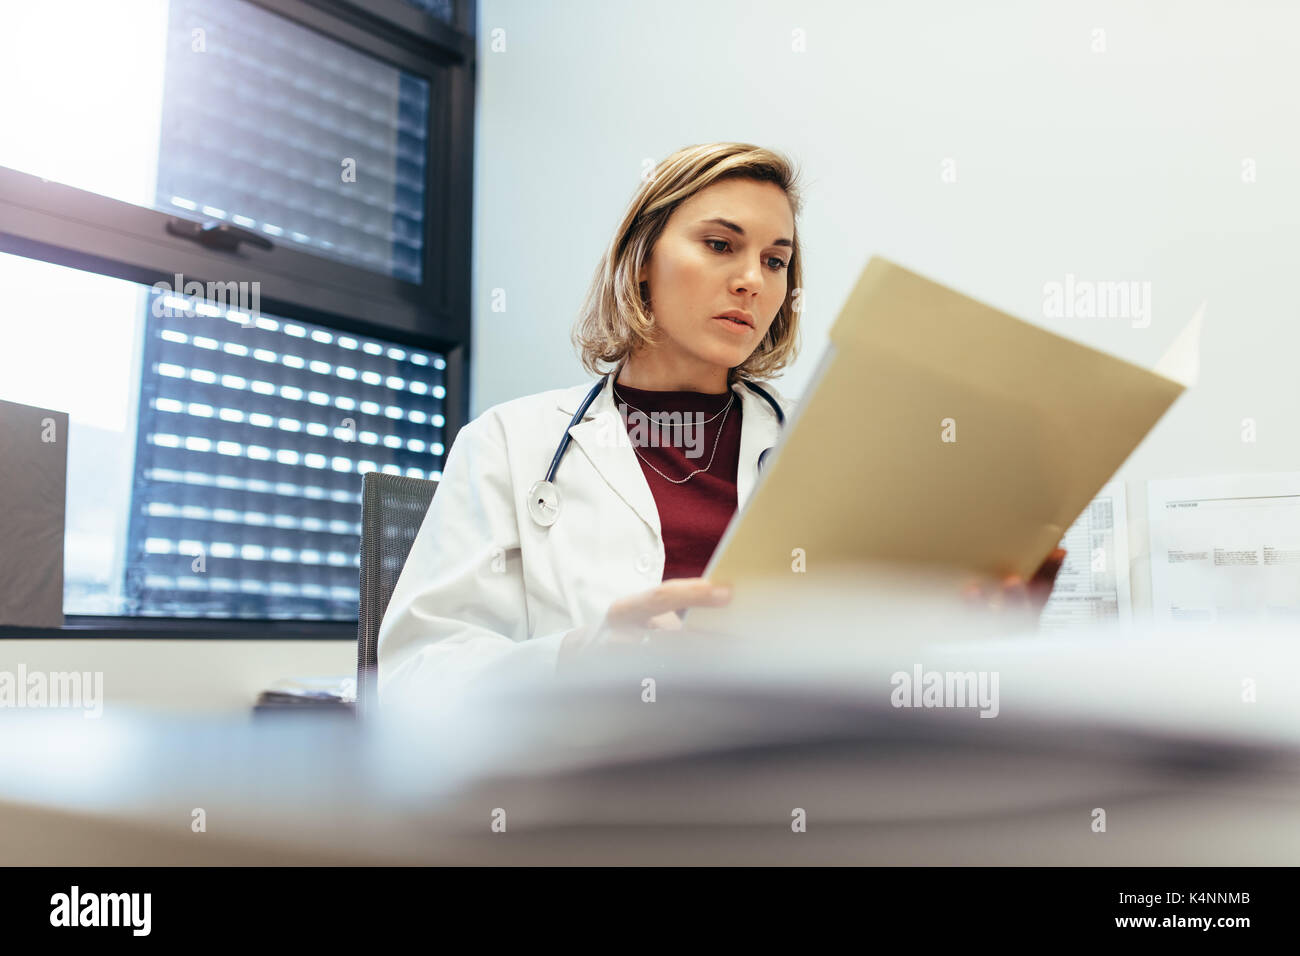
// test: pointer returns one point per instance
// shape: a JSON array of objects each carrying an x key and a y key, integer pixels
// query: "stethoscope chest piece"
[{"x": 543, "y": 503}]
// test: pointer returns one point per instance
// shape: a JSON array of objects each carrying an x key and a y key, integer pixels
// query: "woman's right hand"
[{"x": 628, "y": 618}]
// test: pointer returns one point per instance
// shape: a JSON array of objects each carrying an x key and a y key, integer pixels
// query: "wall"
[{"x": 1119, "y": 155}]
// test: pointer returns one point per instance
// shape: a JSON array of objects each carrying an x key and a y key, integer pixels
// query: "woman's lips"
[{"x": 733, "y": 325}]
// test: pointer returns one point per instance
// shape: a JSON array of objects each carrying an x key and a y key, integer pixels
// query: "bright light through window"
[{"x": 87, "y": 110}]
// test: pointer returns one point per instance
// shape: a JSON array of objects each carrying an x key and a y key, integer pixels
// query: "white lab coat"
[{"x": 485, "y": 588}]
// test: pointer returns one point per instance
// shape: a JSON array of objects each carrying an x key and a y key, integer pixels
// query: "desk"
[{"x": 709, "y": 773}]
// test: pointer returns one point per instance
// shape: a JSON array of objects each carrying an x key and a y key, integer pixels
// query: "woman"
[{"x": 694, "y": 300}]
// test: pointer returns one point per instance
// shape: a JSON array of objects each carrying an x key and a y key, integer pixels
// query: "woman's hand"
[
  {"x": 1016, "y": 595},
  {"x": 630, "y": 617}
]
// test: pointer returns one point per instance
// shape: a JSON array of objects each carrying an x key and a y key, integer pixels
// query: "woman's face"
[{"x": 727, "y": 247}]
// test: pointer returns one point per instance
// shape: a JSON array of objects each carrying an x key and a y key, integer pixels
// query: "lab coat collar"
[{"x": 603, "y": 437}]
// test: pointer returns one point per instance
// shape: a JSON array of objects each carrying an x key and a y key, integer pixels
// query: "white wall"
[{"x": 1117, "y": 165}]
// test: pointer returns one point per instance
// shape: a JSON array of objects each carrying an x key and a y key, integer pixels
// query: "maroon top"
[{"x": 694, "y": 514}]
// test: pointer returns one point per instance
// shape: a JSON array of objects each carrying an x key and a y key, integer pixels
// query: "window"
[
  {"x": 214, "y": 454},
  {"x": 251, "y": 441},
  {"x": 233, "y": 114},
  {"x": 312, "y": 158},
  {"x": 435, "y": 8}
]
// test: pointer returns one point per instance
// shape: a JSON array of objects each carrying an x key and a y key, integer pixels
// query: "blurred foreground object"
[
  {"x": 309, "y": 693},
  {"x": 819, "y": 748}
]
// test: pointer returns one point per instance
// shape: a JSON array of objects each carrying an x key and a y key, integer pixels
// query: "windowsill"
[{"x": 186, "y": 628}]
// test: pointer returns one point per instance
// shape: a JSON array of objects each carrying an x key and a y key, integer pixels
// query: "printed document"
[
  {"x": 1093, "y": 584},
  {"x": 1225, "y": 547}
]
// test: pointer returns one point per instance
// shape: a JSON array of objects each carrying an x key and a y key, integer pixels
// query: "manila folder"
[{"x": 939, "y": 432}]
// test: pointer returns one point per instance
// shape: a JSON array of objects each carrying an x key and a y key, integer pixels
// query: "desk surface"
[{"x": 715, "y": 770}]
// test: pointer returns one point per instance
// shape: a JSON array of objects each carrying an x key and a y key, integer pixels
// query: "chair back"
[{"x": 392, "y": 509}]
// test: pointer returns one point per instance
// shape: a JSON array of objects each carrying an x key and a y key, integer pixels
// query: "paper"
[
  {"x": 937, "y": 432},
  {"x": 314, "y": 692},
  {"x": 711, "y": 767},
  {"x": 1182, "y": 360},
  {"x": 1093, "y": 584},
  {"x": 741, "y": 732},
  {"x": 1225, "y": 547}
]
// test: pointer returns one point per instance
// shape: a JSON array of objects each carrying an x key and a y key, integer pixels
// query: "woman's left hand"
[{"x": 1017, "y": 595}]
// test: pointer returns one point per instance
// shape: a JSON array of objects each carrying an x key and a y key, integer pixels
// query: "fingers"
[
  {"x": 1013, "y": 595},
  {"x": 1040, "y": 585},
  {"x": 674, "y": 595},
  {"x": 668, "y": 621},
  {"x": 1010, "y": 594},
  {"x": 1047, "y": 571}
]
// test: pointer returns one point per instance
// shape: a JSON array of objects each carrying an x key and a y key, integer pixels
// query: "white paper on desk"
[
  {"x": 1093, "y": 584},
  {"x": 1068, "y": 724},
  {"x": 1225, "y": 547}
]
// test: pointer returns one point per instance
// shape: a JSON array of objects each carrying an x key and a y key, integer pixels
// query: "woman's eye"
[{"x": 780, "y": 263}]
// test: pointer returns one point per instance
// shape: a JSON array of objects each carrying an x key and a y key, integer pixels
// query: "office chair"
[{"x": 392, "y": 510}]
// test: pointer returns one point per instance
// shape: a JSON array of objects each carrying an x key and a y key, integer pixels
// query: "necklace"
[
  {"x": 672, "y": 424},
  {"x": 717, "y": 438}
]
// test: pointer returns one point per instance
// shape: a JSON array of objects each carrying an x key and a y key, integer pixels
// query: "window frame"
[{"x": 61, "y": 224}]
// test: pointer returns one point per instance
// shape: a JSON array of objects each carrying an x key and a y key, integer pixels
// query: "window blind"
[
  {"x": 250, "y": 446},
  {"x": 274, "y": 128}
]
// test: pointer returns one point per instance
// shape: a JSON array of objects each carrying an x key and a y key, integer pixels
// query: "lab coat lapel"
[
  {"x": 603, "y": 438},
  {"x": 759, "y": 430}
]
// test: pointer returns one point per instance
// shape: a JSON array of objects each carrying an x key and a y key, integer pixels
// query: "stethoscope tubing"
[
  {"x": 599, "y": 387},
  {"x": 544, "y": 497}
]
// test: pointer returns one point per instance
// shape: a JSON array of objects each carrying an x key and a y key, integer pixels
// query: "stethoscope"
[{"x": 544, "y": 500}]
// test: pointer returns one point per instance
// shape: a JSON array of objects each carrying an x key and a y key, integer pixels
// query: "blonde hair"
[{"x": 615, "y": 319}]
